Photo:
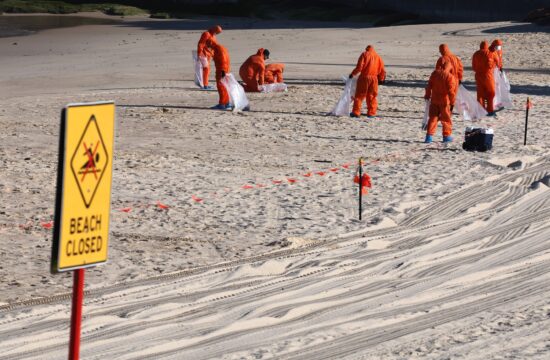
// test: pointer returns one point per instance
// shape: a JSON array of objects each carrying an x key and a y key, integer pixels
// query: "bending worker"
[
  {"x": 253, "y": 69},
  {"x": 457, "y": 69},
  {"x": 204, "y": 52},
  {"x": 496, "y": 48},
  {"x": 440, "y": 91},
  {"x": 371, "y": 67},
  {"x": 222, "y": 63},
  {"x": 274, "y": 73},
  {"x": 483, "y": 63}
]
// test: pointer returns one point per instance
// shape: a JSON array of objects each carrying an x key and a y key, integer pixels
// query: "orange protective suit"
[
  {"x": 274, "y": 73},
  {"x": 222, "y": 63},
  {"x": 440, "y": 90},
  {"x": 483, "y": 63},
  {"x": 457, "y": 69},
  {"x": 252, "y": 71},
  {"x": 496, "y": 48},
  {"x": 204, "y": 51},
  {"x": 371, "y": 67}
]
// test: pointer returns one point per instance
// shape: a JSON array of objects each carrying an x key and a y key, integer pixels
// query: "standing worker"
[
  {"x": 440, "y": 91},
  {"x": 457, "y": 69},
  {"x": 496, "y": 48},
  {"x": 204, "y": 53},
  {"x": 253, "y": 69},
  {"x": 274, "y": 73},
  {"x": 222, "y": 63},
  {"x": 483, "y": 63},
  {"x": 371, "y": 67}
]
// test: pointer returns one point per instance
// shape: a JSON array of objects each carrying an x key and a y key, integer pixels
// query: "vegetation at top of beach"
[
  {"x": 311, "y": 10},
  {"x": 64, "y": 7}
]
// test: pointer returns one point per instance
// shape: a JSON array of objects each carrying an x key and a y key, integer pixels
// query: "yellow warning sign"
[{"x": 83, "y": 201}]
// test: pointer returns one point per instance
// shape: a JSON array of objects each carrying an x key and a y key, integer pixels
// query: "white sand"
[{"x": 450, "y": 260}]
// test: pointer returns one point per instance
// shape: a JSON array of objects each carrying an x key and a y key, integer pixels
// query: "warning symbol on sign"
[{"x": 89, "y": 161}]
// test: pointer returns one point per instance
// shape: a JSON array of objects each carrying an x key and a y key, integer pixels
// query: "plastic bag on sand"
[
  {"x": 426, "y": 115},
  {"x": 236, "y": 92},
  {"x": 275, "y": 87},
  {"x": 502, "y": 97},
  {"x": 197, "y": 64},
  {"x": 467, "y": 105},
  {"x": 343, "y": 107}
]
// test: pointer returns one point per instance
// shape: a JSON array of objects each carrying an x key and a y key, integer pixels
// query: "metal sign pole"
[
  {"x": 360, "y": 188},
  {"x": 526, "y": 121},
  {"x": 76, "y": 313}
]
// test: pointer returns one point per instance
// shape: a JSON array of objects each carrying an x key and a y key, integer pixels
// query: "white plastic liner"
[
  {"x": 467, "y": 105},
  {"x": 275, "y": 87},
  {"x": 502, "y": 97},
  {"x": 197, "y": 65},
  {"x": 236, "y": 92},
  {"x": 426, "y": 115},
  {"x": 343, "y": 107}
]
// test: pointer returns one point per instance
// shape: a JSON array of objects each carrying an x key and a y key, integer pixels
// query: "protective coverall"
[
  {"x": 483, "y": 63},
  {"x": 274, "y": 73},
  {"x": 222, "y": 63},
  {"x": 371, "y": 67},
  {"x": 204, "y": 51},
  {"x": 440, "y": 91},
  {"x": 457, "y": 69},
  {"x": 252, "y": 71},
  {"x": 496, "y": 48}
]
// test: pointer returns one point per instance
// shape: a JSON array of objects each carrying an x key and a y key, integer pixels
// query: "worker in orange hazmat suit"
[
  {"x": 457, "y": 69},
  {"x": 204, "y": 52},
  {"x": 483, "y": 63},
  {"x": 252, "y": 71},
  {"x": 496, "y": 48},
  {"x": 274, "y": 73},
  {"x": 222, "y": 63},
  {"x": 371, "y": 67},
  {"x": 440, "y": 90}
]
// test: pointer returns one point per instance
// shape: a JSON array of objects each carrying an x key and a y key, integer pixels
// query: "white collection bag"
[
  {"x": 343, "y": 107},
  {"x": 197, "y": 65},
  {"x": 275, "y": 87},
  {"x": 236, "y": 92},
  {"x": 426, "y": 115},
  {"x": 502, "y": 97},
  {"x": 467, "y": 105}
]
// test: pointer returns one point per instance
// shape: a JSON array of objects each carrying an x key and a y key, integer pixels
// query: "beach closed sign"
[{"x": 83, "y": 200}]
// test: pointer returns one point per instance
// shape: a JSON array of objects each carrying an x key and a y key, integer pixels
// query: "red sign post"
[{"x": 76, "y": 313}]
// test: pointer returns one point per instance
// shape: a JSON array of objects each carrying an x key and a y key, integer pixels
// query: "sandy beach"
[{"x": 256, "y": 250}]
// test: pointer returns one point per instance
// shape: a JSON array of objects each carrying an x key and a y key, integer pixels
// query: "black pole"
[
  {"x": 526, "y": 121},
  {"x": 360, "y": 188}
]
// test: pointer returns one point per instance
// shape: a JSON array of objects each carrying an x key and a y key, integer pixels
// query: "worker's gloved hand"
[
  {"x": 350, "y": 76},
  {"x": 501, "y": 69},
  {"x": 223, "y": 73},
  {"x": 459, "y": 82},
  {"x": 382, "y": 82},
  {"x": 452, "y": 107}
]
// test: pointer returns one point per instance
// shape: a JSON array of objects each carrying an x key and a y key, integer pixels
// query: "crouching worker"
[
  {"x": 371, "y": 67},
  {"x": 274, "y": 73},
  {"x": 252, "y": 71},
  {"x": 440, "y": 91},
  {"x": 222, "y": 63}
]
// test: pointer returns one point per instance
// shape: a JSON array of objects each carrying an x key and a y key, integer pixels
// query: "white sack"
[
  {"x": 343, "y": 107},
  {"x": 502, "y": 97},
  {"x": 275, "y": 87},
  {"x": 467, "y": 105},
  {"x": 197, "y": 65},
  {"x": 426, "y": 115},
  {"x": 236, "y": 92}
]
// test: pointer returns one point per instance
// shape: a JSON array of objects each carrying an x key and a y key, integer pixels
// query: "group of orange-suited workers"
[{"x": 441, "y": 89}]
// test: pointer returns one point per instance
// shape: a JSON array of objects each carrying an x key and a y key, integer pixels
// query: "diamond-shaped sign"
[{"x": 89, "y": 161}]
